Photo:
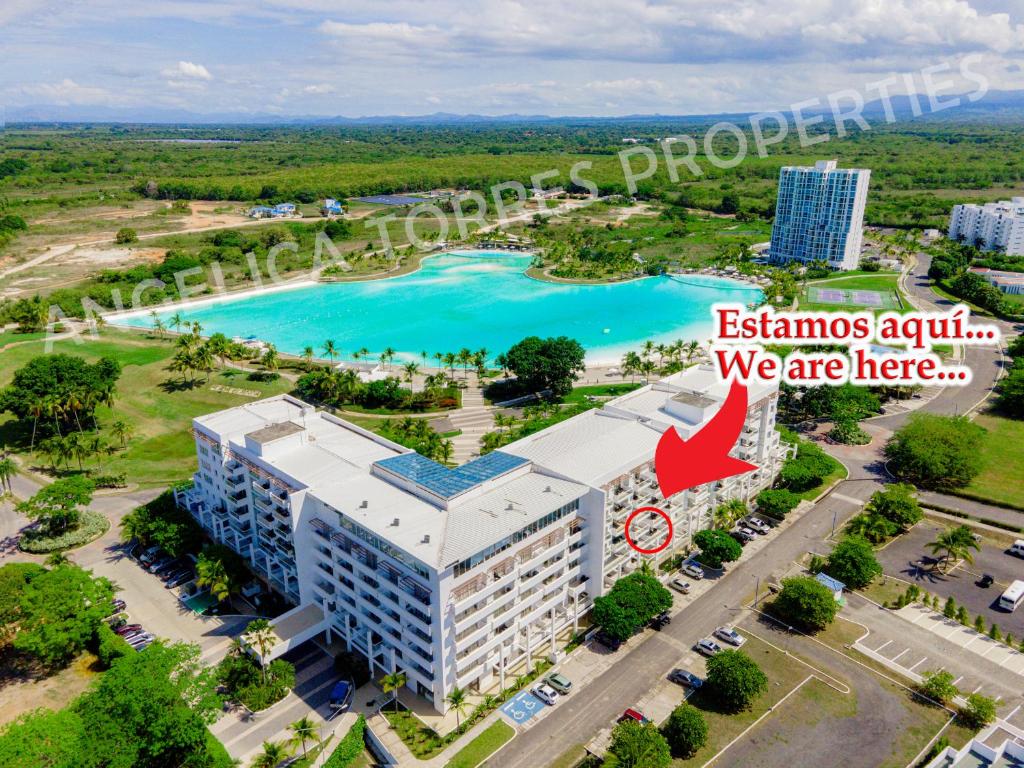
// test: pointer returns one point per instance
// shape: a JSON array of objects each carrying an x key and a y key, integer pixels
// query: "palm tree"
[
  {"x": 450, "y": 361},
  {"x": 122, "y": 431},
  {"x": 219, "y": 346},
  {"x": 729, "y": 512},
  {"x": 158, "y": 325},
  {"x": 387, "y": 356},
  {"x": 176, "y": 320},
  {"x": 211, "y": 573},
  {"x": 445, "y": 451},
  {"x": 330, "y": 349},
  {"x": 274, "y": 753},
  {"x": 955, "y": 543},
  {"x": 465, "y": 358},
  {"x": 303, "y": 730},
  {"x": 271, "y": 360},
  {"x": 307, "y": 357},
  {"x": 457, "y": 701},
  {"x": 260, "y": 634},
  {"x": 393, "y": 682},
  {"x": 691, "y": 349},
  {"x": 411, "y": 369}
]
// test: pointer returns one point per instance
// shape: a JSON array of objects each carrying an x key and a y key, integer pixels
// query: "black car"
[
  {"x": 985, "y": 581},
  {"x": 609, "y": 642},
  {"x": 740, "y": 538},
  {"x": 661, "y": 620}
]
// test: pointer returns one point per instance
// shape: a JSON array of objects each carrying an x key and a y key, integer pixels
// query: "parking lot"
[{"x": 907, "y": 558}]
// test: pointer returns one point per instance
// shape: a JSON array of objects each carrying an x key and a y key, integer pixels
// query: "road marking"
[
  {"x": 976, "y": 689},
  {"x": 879, "y": 648},
  {"x": 922, "y": 661},
  {"x": 958, "y": 679},
  {"x": 905, "y": 650},
  {"x": 849, "y": 499}
]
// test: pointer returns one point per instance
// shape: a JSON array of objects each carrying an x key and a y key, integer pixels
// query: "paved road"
[{"x": 979, "y": 510}]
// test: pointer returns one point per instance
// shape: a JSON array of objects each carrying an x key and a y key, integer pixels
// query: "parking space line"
[
  {"x": 894, "y": 658},
  {"x": 879, "y": 648},
  {"x": 1014, "y": 712},
  {"x": 922, "y": 661},
  {"x": 976, "y": 689},
  {"x": 958, "y": 679}
]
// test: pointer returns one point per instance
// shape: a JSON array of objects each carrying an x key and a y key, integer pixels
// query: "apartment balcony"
[
  {"x": 261, "y": 486},
  {"x": 234, "y": 482},
  {"x": 263, "y": 505},
  {"x": 324, "y": 586},
  {"x": 495, "y": 600},
  {"x": 482, "y": 590}
]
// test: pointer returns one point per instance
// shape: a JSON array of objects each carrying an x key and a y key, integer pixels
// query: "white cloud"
[
  {"x": 318, "y": 89},
  {"x": 187, "y": 70},
  {"x": 67, "y": 91}
]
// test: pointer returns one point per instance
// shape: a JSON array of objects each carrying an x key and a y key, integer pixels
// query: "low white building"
[
  {"x": 455, "y": 576},
  {"x": 992, "y": 227}
]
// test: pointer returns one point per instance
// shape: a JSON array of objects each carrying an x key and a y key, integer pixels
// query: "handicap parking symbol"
[{"x": 522, "y": 707}]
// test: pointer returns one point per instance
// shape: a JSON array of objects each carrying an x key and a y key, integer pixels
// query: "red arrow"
[{"x": 704, "y": 458}]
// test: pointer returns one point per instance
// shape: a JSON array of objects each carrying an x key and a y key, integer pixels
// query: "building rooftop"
[{"x": 274, "y": 432}]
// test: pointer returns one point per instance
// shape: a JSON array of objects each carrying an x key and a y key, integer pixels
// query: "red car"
[
  {"x": 632, "y": 714},
  {"x": 127, "y": 629}
]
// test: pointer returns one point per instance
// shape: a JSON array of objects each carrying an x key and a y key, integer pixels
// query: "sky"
[{"x": 491, "y": 57}]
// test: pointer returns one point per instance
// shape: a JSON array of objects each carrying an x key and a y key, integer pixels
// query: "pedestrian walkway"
[{"x": 474, "y": 419}]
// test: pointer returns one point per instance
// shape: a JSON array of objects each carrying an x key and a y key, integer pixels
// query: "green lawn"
[
  {"x": 580, "y": 394},
  {"x": 1003, "y": 451},
  {"x": 483, "y": 746},
  {"x": 149, "y": 397}
]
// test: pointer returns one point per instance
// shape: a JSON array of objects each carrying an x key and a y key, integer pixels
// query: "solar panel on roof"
[{"x": 446, "y": 482}]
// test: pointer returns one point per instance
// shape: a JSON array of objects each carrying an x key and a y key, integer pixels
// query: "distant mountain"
[{"x": 994, "y": 105}]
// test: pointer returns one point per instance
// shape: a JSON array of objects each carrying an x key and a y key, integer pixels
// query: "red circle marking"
[{"x": 660, "y": 547}]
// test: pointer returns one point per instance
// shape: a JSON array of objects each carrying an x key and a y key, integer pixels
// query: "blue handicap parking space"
[{"x": 522, "y": 707}]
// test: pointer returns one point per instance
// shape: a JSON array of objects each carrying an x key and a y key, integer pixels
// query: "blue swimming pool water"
[{"x": 470, "y": 299}]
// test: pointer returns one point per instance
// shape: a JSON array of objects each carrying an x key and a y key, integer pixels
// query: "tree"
[
  {"x": 978, "y": 711},
  {"x": 735, "y": 680},
  {"x": 1011, "y": 390},
  {"x": 728, "y": 513},
  {"x": 393, "y": 682},
  {"x": 776, "y": 503},
  {"x": 806, "y": 603},
  {"x": 936, "y": 452},
  {"x": 58, "y": 506},
  {"x": 331, "y": 349},
  {"x": 303, "y": 730},
  {"x": 717, "y": 547},
  {"x": 163, "y": 523},
  {"x": 457, "y": 700},
  {"x": 122, "y": 431},
  {"x": 274, "y": 753},
  {"x": 686, "y": 730},
  {"x": 8, "y": 469},
  {"x": 949, "y": 609},
  {"x": 546, "y": 364},
  {"x": 897, "y": 504},
  {"x": 211, "y": 574},
  {"x": 853, "y": 562},
  {"x": 14, "y": 579},
  {"x": 874, "y": 528},
  {"x": 938, "y": 686},
  {"x": 637, "y": 746},
  {"x": 60, "y": 610},
  {"x": 42, "y": 739},
  {"x": 954, "y": 544},
  {"x": 126, "y": 235},
  {"x": 632, "y": 602}
]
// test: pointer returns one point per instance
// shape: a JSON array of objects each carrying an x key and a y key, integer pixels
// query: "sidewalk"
[{"x": 977, "y": 510}]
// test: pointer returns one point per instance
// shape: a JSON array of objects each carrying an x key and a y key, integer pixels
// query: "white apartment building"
[
  {"x": 455, "y": 576},
  {"x": 992, "y": 226},
  {"x": 819, "y": 214}
]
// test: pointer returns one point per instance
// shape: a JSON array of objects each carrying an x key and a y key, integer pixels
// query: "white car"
[
  {"x": 730, "y": 635},
  {"x": 545, "y": 693},
  {"x": 693, "y": 570},
  {"x": 708, "y": 647},
  {"x": 757, "y": 524},
  {"x": 145, "y": 638},
  {"x": 680, "y": 586}
]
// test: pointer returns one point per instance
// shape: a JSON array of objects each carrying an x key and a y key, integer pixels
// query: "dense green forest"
[{"x": 918, "y": 169}]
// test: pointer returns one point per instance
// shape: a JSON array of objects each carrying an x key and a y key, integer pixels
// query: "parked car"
[
  {"x": 161, "y": 563},
  {"x": 746, "y": 533},
  {"x": 694, "y": 571},
  {"x": 559, "y": 682},
  {"x": 661, "y": 620},
  {"x": 680, "y": 586},
  {"x": 341, "y": 695},
  {"x": 145, "y": 637},
  {"x": 545, "y": 693},
  {"x": 757, "y": 524},
  {"x": 1017, "y": 548},
  {"x": 683, "y": 677},
  {"x": 184, "y": 578},
  {"x": 739, "y": 538},
  {"x": 143, "y": 645},
  {"x": 730, "y": 635},
  {"x": 170, "y": 565},
  {"x": 132, "y": 634},
  {"x": 633, "y": 714},
  {"x": 148, "y": 555},
  {"x": 117, "y": 622},
  {"x": 708, "y": 647},
  {"x": 609, "y": 642},
  {"x": 127, "y": 629},
  {"x": 985, "y": 581},
  {"x": 119, "y": 606},
  {"x": 175, "y": 573}
]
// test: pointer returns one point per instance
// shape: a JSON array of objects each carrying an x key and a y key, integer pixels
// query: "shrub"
[
  {"x": 126, "y": 235},
  {"x": 638, "y": 746},
  {"x": 978, "y": 711},
  {"x": 717, "y": 547},
  {"x": 350, "y": 747},
  {"x": 938, "y": 686},
  {"x": 109, "y": 645},
  {"x": 685, "y": 730},
  {"x": 806, "y": 603},
  {"x": 735, "y": 680},
  {"x": 91, "y": 526}
]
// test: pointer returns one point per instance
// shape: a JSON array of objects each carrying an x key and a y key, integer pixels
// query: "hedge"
[
  {"x": 90, "y": 527},
  {"x": 349, "y": 748}
]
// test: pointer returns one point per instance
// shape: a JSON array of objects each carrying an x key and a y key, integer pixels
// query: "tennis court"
[
  {"x": 391, "y": 200},
  {"x": 854, "y": 298}
]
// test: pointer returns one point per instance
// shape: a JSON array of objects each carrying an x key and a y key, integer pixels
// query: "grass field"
[
  {"x": 1003, "y": 451},
  {"x": 483, "y": 746},
  {"x": 149, "y": 397},
  {"x": 881, "y": 282}
]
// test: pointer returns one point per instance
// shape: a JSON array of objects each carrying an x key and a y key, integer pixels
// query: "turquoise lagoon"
[{"x": 468, "y": 299}]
